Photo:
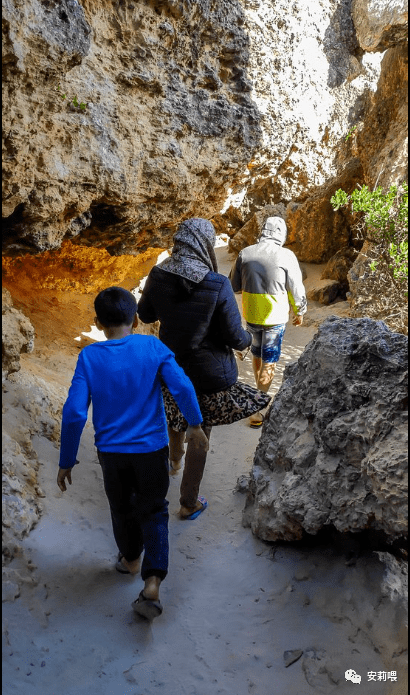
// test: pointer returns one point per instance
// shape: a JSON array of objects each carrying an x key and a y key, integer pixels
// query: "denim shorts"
[{"x": 267, "y": 341}]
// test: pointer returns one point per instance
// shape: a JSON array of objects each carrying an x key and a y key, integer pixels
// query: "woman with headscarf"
[{"x": 200, "y": 322}]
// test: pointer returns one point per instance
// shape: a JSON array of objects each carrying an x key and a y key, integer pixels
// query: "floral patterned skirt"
[{"x": 221, "y": 408}]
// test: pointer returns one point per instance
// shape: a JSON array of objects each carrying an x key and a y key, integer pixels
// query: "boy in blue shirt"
[{"x": 121, "y": 377}]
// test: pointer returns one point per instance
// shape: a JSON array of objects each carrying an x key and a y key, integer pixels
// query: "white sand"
[{"x": 231, "y": 606}]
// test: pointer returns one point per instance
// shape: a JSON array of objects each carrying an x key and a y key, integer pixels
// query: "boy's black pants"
[{"x": 136, "y": 486}]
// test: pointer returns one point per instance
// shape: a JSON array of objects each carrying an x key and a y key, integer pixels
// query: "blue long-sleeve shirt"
[{"x": 122, "y": 380}]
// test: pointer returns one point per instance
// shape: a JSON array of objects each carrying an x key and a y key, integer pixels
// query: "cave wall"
[
  {"x": 188, "y": 107},
  {"x": 366, "y": 139},
  {"x": 168, "y": 118}
]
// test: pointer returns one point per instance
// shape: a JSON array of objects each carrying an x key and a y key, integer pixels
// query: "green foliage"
[
  {"x": 384, "y": 222},
  {"x": 350, "y": 132},
  {"x": 74, "y": 100}
]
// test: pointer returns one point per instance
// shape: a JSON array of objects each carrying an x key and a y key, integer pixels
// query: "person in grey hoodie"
[{"x": 270, "y": 280}]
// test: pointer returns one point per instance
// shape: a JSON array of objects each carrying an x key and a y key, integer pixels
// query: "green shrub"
[{"x": 384, "y": 222}]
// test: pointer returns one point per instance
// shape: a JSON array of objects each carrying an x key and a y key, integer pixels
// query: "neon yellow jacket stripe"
[{"x": 265, "y": 309}]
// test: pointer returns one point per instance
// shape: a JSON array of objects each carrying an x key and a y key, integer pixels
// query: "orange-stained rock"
[
  {"x": 381, "y": 141},
  {"x": 315, "y": 231},
  {"x": 56, "y": 290},
  {"x": 76, "y": 269}
]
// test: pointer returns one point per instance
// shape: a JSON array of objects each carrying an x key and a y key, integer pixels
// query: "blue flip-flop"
[{"x": 197, "y": 512}]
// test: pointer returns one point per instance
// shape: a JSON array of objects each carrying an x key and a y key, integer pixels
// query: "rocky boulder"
[
  {"x": 333, "y": 449},
  {"x": 250, "y": 232},
  {"x": 380, "y": 24},
  {"x": 324, "y": 291},
  {"x": 31, "y": 408},
  {"x": 380, "y": 140},
  {"x": 17, "y": 335},
  {"x": 339, "y": 265}
]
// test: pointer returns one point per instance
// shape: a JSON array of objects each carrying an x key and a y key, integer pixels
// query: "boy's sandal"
[
  {"x": 119, "y": 566},
  {"x": 146, "y": 607}
]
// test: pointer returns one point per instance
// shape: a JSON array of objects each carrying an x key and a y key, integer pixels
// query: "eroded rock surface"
[
  {"x": 183, "y": 104},
  {"x": 17, "y": 335},
  {"x": 167, "y": 119},
  {"x": 372, "y": 149},
  {"x": 333, "y": 450},
  {"x": 31, "y": 408},
  {"x": 381, "y": 140},
  {"x": 380, "y": 24}
]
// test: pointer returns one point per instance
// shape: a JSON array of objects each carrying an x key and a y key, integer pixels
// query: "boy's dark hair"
[{"x": 115, "y": 307}]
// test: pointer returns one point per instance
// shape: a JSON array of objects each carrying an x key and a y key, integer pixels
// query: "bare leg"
[
  {"x": 176, "y": 450},
  {"x": 264, "y": 373},
  {"x": 151, "y": 588},
  {"x": 192, "y": 476},
  {"x": 256, "y": 364}
]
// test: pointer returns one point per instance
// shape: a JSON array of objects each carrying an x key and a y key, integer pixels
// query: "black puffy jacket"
[{"x": 201, "y": 327}]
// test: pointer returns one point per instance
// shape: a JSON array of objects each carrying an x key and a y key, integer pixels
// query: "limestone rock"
[
  {"x": 339, "y": 456},
  {"x": 186, "y": 105},
  {"x": 315, "y": 231},
  {"x": 30, "y": 407},
  {"x": 250, "y": 232},
  {"x": 339, "y": 265},
  {"x": 376, "y": 154},
  {"x": 291, "y": 656},
  {"x": 325, "y": 291},
  {"x": 381, "y": 140},
  {"x": 167, "y": 121},
  {"x": 317, "y": 315},
  {"x": 21, "y": 509},
  {"x": 380, "y": 24},
  {"x": 17, "y": 335}
]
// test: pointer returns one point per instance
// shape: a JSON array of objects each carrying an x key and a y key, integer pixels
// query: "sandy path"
[{"x": 232, "y": 607}]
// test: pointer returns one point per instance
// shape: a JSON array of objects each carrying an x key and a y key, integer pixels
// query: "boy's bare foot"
[
  {"x": 131, "y": 567},
  {"x": 151, "y": 588}
]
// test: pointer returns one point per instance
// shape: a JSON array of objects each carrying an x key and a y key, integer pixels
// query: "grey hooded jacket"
[{"x": 269, "y": 277}]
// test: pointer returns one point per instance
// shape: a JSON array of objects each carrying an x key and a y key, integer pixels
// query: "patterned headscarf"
[
  {"x": 274, "y": 229},
  {"x": 193, "y": 254}
]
